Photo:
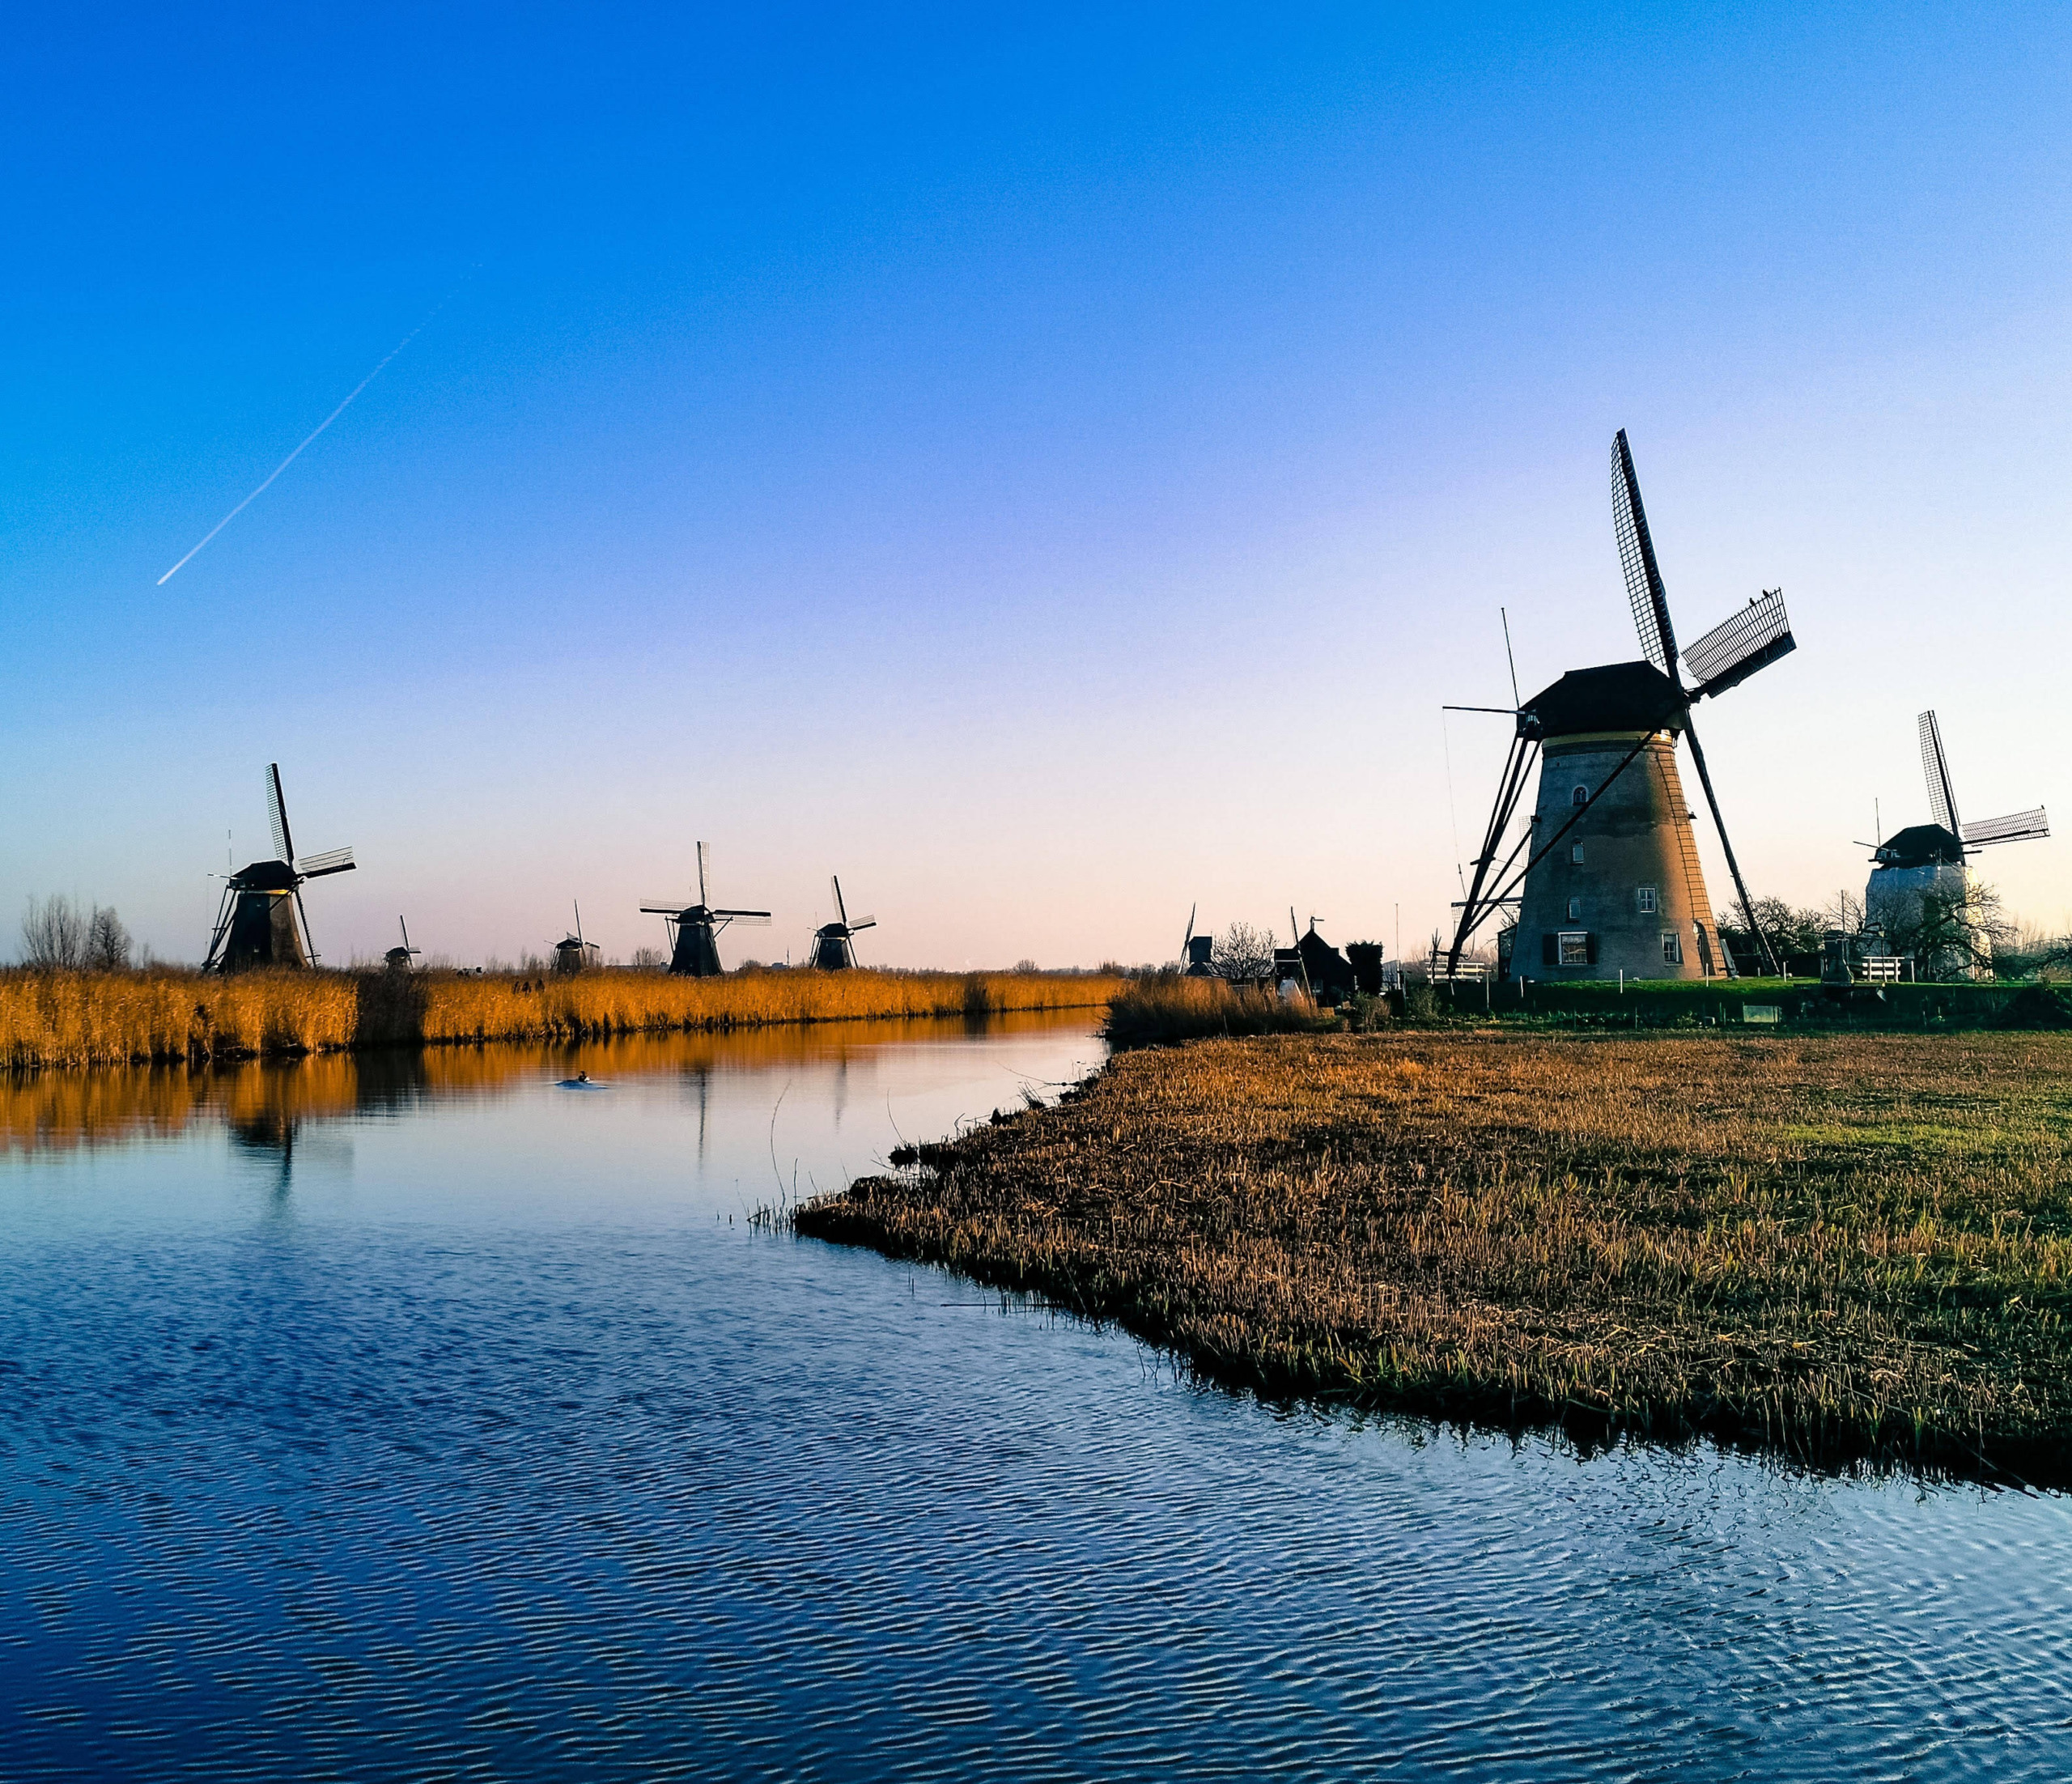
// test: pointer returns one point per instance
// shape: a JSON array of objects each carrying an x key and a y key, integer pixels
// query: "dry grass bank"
[
  {"x": 1169, "y": 1006},
  {"x": 80, "y": 1019},
  {"x": 1840, "y": 1246}
]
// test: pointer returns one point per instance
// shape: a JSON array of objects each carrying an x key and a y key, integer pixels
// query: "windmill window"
[
  {"x": 1575, "y": 948},
  {"x": 1672, "y": 948},
  {"x": 1649, "y": 901},
  {"x": 1576, "y": 854},
  {"x": 1575, "y": 909},
  {"x": 1581, "y": 796}
]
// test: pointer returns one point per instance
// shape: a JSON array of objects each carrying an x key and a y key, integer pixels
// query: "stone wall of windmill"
[{"x": 1622, "y": 891}]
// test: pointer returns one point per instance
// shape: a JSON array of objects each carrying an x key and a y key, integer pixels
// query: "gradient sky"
[{"x": 1049, "y": 465}]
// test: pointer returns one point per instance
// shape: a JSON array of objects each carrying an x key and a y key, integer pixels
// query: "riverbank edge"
[
  {"x": 82, "y": 1021},
  {"x": 1754, "y": 1421}
]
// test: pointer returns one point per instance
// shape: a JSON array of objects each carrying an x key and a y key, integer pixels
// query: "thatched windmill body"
[
  {"x": 261, "y": 921},
  {"x": 834, "y": 945},
  {"x": 1925, "y": 862},
  {"x": 1609, "y": 881},
  {"x": 693, "y": 929}
]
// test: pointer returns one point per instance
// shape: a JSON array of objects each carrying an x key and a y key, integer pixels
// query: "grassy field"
[
  {"x": 1842, "y": 1247},
  {"x": 83, "y": 1019}
]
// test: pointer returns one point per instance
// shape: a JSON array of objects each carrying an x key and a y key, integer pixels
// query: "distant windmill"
[
  {"x": 1611, "y": 881},
  {"x": 398, "y": 959},
  {"x": 1194, "y": 949},
  {"x": 693, "y": 929},
  {"x": 1924, "y": 859},
  {"x": 572, "y": 954},
  {"x": 833, "y": 950},
  {"x": 261, "y": 922}
]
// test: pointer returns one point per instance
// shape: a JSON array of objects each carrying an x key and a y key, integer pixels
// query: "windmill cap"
[
  {"x": 1613, "y": 697},
  {"x": 1920, "y": 845},
  {"x": 266, "y": 876}
]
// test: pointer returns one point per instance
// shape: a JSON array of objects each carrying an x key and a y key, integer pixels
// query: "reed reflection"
[{"x": 263, "y": 1103}]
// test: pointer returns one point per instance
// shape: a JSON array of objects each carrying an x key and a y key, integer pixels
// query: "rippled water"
[{"x": 427, "y": 1420}]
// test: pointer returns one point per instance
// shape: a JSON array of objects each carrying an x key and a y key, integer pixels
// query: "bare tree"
[
  {"x": 649, "y": 959},
  {"x": 1242, "y": 953},
  {"x": 1844, "y": 911},
  {"x": 1957, "y": 928},
  {"x": 1790, "y": 929},
  {"x": 107, "y": 940},
  {"x": 53, "y": 933}
]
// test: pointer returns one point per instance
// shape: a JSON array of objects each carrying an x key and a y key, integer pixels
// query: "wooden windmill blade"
[
  {"x": 1935, "y": 767},
  {"x": 277, "y": 815},
  {"x": 1644, "y": 586},
  {"x": 2015, "y": 827},
  {"x": 1735, "y": 649}
]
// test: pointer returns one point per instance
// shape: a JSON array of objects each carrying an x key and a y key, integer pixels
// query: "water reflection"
[
  {"x": 496, "y": 1451},
  {"x": 264, "y": 1102}
]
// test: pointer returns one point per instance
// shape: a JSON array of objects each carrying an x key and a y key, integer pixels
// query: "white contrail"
[{"x": 299, "y": 451}]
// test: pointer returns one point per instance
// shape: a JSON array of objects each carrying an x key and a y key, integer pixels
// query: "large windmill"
[
  {"x": 1930, "y": 859},
  {"x": 833, "y": 950},
  {"x": 1611, "y": 881},
  {"x": 693, "y": 929},
  {"x": 261, "y": 922}
]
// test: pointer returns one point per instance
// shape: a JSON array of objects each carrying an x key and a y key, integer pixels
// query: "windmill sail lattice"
[
  {"x": 1980, "y": 833},
  {"x": 1735, "y": 649},
  {"x": 1644, "y": 586},
  {"x": 1942, "y": 795}
]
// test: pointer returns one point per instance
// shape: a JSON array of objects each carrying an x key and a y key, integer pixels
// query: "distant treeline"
[{"x": 77, "y": 1018}]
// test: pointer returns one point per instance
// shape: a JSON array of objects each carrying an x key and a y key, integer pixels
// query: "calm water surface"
[{"x": 427, "y": 1420}]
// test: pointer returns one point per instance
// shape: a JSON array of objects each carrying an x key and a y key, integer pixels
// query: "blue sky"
[{"x": 1049, "y": 466}]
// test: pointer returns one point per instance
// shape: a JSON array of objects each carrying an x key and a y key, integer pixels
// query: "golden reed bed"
[
  {"x": 1841, "y": 1248},
  {"x": 85, "y": 1019}
]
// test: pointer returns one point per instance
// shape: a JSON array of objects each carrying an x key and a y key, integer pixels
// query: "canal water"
[{"x": 422, "y": 1418}]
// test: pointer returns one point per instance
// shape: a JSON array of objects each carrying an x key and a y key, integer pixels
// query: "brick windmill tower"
[{"x": 1605, "y": 877}]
